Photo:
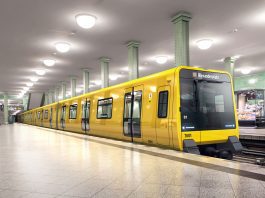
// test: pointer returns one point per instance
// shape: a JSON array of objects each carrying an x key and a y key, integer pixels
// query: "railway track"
[{"x": 251, "y": 156}]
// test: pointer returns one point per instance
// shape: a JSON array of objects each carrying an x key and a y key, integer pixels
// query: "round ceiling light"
[
  {"x": 204, "y": 44},
  {"x": 252, "y": 81},
  {"x": 30, "y": 84},
  {"x": 245, "y": 71},
  {"x": 161, "y": 59},
  {"x": 97, "y": 82},
  {"x": 113, "y": 77},
  {"x": 26, "y": 88},
  {"x": 40, "y": 72},
  {"x": 62, "y": 47},
  {"x": 85, "y": 21},
  {"x": 34, "y": 79},
  {"x": 49, "y": 62}
]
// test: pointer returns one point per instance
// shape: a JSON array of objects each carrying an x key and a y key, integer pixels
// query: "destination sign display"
[{"x": 204, "y": 75}]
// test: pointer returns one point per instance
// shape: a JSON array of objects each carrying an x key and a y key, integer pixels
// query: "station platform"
[
  {"x": 251, "y": 133},
  {"x": 44, "y": 163}
]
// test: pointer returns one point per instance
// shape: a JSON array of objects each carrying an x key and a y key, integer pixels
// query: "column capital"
[
  {"x": 181, "y": 16},
  {"x": 229, "y": 60},
  {"x": 85, "y": 69},
  {"x": 63, "y": 83},
  {"x": 73, "y": 77},
  {"x": 104, "y": 59},
  {"x": 133, "y": 44}
]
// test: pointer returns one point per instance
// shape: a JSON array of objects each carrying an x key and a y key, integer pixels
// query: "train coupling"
[
  {"x": 190, "y": 146},
  {"x": 234, "y": 145}
]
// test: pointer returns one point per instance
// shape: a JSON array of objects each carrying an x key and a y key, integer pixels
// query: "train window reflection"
[
  {"x": 104, "y": 110},
  {"x": 73, "y": 111}
]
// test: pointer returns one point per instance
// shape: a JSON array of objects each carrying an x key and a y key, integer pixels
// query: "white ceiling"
[{"x": 29, "y": 29}]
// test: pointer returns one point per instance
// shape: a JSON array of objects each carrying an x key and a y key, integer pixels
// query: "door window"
[
  {"x": 132, "y": 114},
  {"x": 162, "y": 104},
  {"x": 73, "y": 111}
]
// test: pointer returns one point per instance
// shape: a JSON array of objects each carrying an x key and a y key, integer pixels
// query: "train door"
[
  {"x": 63, "y": 116},
  {"x": 85, "y": 115},
  {"x": 132, "y": 112},
  {"x": 41, "y": 117},
  {"x": 162, "y": 117},
  {"x": 50, "y": 120}
]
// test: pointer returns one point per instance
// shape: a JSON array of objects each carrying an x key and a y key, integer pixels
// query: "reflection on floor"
[{"x": 43, "y": 164}]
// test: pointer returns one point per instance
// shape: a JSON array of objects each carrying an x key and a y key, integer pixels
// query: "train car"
[{"x": 184, "y": 108}]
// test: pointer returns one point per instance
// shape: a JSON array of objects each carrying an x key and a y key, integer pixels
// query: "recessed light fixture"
[
  {"x": 235, "y": 30},
  {"x": 204, "y": 44},
  {"x": 97, "y": 82},
  {"x": 245, "y": 71},
  {"x": 30, "y": 84},
  {"x": 161, "y": 59},
  {"x": 34, "y": 79},
  {"x": 236, "y": 57},
  {"x": 62, "y": 47},
  {"x": 25, "y": 88},
  {"x": 252, "y": 81},
  {"x": 40, "y": 72},
  {"x": 85, "y": 21},
  {"x": 113, "y": 77},
  {"x": 78, "y": 90},
  {"x": 49, "y": 62}
]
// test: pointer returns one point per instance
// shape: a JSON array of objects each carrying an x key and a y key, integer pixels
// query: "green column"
[
  {"x": 73, "y": 86},
  {"x": 63, "y": 91},
  {"x": 6, "y": 108},
  {"x": 230, "y": 67},
  {"x": 181, "y": 22},
  {"x": 51, "y": 98},
  {"x": 104, "y": 65},
  {"x": 56, "y": 93},
  {"x": 46, "y": 98},
  {"x": 25, "y": 100},
  {"x": 133, "y": 59},
  {"x": 85, "y": 80}
]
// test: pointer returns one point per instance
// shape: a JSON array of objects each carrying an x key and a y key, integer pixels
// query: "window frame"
[
  {"x": 103, "y": 105},
  {"x": 46, "y": 112},
  {"x": 70, "y": 118},
  {"x": 161, "y": 92}
]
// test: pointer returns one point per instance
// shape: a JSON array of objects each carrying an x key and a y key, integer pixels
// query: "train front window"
[{"x": 206, "y": 104}]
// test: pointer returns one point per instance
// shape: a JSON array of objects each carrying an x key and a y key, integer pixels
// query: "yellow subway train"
[{"x": 184, "y": 108}]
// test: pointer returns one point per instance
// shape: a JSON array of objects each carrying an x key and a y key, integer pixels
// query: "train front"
[{"x": 208, "y": 116}]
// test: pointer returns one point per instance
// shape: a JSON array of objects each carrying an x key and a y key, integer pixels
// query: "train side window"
[
  {"x": 162, "y": 104},
  {"x": 73, "y": 111},
  {"x": 46, "y": 114},
  {"x": 104, "y": 110},
  {"x": 38, "y": 114}
]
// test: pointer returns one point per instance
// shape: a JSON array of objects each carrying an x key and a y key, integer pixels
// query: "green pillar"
[
  {"x": 104, "y": 65},
  {"x": 85, "y": 80},
  {"x": 73, "y": 86},
  {"x": 56, "y": 93},
  {"x": 133, "y": 59},
  {"x": 6, "y": 108},
  {"x": 63, "y": 90},
  {"x": 181, "y": 22},
  {"x": 46, "y": 95},
  {"x": 25, "y": 102},
  {"x": 51, "y": 98},
  {"x": 230, "y": 67}
]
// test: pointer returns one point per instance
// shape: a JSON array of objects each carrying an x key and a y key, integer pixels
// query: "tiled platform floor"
[{"x": 40, "y": 163}]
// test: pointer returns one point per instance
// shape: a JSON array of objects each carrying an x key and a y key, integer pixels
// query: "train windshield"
[{"x": 206, "y": 101}]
